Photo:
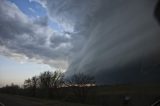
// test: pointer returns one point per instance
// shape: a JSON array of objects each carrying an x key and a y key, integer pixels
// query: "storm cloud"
[
  {"x": 114, "y": 40},
  {"x": 120, "y": 38},
  {"x": 124, "y": 40}
]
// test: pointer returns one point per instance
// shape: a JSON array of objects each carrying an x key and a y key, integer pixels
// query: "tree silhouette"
[
  {"x": 34, "y": 85},
  {"x": 51, "y": 81},
  {"x": 27, "y": 83},
  {"x": 80, "y": 84},
  {"x": 10, "y": 89},
  {"x": 57, "y": 79},
  {"x": 31, "y": 85}
]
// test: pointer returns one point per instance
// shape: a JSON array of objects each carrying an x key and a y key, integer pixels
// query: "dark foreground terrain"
[
  {"x": 139, "y": 95},
  {"x": 12, "y": 100}
]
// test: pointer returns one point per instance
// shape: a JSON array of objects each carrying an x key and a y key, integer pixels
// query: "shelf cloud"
[{"x": 114, "y": 40}]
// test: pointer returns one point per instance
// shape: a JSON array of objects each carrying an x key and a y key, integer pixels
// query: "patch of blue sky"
[
  {"x": 32, "y": 9},
  {"x": 55, "y": 26}
]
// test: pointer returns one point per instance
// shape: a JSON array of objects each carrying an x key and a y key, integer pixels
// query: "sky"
[{"x": 117, "y": 41}]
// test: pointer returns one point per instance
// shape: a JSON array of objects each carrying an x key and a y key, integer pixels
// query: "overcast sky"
[{"x": 110, "y": 39}]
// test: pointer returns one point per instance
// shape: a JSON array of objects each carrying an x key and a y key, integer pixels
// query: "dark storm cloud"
[
  {"x": 113, "y": 40},
  {"x": 115, "y": 36},
  {"x": 124, "y": 34}
]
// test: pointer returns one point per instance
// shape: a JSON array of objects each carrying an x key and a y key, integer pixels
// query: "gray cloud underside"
[
  {"x": 32, "y": 38},
  {"x": 114, "y": 40}
]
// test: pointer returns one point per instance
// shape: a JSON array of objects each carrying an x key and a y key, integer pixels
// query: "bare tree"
[
  {"x": 57, "y": 79},
  {"x": 80, "y": 84},
  {"x": 45, "y": 79},
  {"x": 31, "y": 84},
  {"x": 34, "y": 85},
  {"x": 27, "y": 83},
  {"x": 58, "y": 82},
  {"x": 46, "y": 83},
  {"x": 51, "y": 81}
]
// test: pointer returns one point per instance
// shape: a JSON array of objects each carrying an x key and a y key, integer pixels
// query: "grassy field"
[
  {"x": 140, "y": 95},
  {"x": 15, "y": 100}
]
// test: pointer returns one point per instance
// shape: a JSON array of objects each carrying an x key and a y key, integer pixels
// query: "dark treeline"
[{"x": 53, "y": 85}]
